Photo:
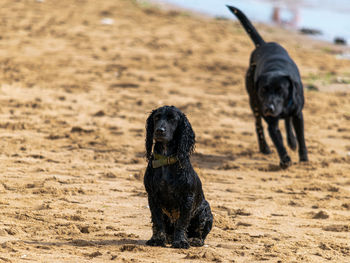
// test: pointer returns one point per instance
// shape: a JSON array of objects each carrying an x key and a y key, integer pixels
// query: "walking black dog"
[
  {"x": 275, "y": 92},
  {"x": 180, "y": 214}
]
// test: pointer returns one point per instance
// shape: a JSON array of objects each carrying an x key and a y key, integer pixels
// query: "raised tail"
[{"x": 254, "y": 35}]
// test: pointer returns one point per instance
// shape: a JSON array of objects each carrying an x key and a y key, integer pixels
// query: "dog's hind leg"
[
  {"x": 200, "y": 226},
  {"x": 298, "y": 122},
  {"x": 208, "y": 221},
  {"x": 290, "y": 134}
]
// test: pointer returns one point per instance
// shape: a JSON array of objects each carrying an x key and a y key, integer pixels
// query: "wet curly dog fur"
[{"x": 180, "y": 214}]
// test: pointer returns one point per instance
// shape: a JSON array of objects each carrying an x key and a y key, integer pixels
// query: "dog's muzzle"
[{"x": 269, "y": 110}]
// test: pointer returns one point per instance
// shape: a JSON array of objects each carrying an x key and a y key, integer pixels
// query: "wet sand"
[{"x": 75, "y": 94}]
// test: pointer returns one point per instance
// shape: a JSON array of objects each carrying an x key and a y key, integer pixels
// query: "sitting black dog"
[
  {"x": 275, "y": 92},
  {"x": 180, "y": 214}
]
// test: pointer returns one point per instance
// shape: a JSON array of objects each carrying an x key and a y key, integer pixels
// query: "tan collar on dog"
[{"x": 162, "y": 160}]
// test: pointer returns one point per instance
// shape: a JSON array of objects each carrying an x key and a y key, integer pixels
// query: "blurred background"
[{"x": 324, "y": 19}]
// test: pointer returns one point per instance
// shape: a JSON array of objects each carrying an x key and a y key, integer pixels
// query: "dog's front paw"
[
  {"x": 285, "y": 162},
  {"x": 303, "y": 157},
  {"x": 156, "y": 242},
  {"x": 264, "y": 148},
  {"x": 169, "y": 239},
  {"x": 196, "y": 242},
  {"x": 180, "y": 244}
]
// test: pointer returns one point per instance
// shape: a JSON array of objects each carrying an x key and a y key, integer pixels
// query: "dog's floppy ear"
[
  {"x": 149, "y": 135},
  {"x": 185, "y": 137},
  {"x": 294, "y": 90}
]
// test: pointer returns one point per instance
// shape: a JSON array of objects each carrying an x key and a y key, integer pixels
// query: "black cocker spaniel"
[{"x": 180, "y": 214}]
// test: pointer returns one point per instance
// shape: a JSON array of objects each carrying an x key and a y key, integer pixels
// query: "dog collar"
[{"x": 162, "y": 160}]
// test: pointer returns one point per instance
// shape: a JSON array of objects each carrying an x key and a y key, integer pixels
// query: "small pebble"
[{"x": 107, "y": 21}]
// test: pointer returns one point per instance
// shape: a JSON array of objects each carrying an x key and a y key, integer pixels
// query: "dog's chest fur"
[{"x": 168, "y": 192}]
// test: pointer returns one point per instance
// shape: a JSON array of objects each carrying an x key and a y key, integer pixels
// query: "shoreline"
[
  {"x": 311, "y": 31},
  {"x": 341, "y": 52}
]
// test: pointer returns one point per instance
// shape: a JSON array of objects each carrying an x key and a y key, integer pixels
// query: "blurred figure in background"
[{"x": 292, "y": 22}]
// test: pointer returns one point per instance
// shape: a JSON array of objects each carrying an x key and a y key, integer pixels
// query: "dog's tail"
[{"x": 254, "y": 35}]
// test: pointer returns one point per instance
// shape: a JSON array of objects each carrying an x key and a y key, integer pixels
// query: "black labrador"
[
  {"x": 180, "y": 214},
  {"x": 275, "y": 92}
]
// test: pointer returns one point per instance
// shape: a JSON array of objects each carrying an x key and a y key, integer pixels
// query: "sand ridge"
[{"x": 75, "y": 94}]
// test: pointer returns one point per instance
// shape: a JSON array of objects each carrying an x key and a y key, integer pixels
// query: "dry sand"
[{"x": 75, "y": 94}]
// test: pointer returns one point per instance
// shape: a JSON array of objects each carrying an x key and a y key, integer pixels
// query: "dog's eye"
[
  {"x": 156, "y": 118},
  {"x": 170, "y": 117},
  {"x": 264, "y": 89}
]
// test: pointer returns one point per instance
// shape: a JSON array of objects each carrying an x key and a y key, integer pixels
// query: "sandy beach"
[{"x": 78, "y": 80}]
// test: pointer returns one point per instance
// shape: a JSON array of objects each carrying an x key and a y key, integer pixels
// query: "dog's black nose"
[
  {"x": 269, "y": 109},
  {"x": 160, "y": 131}
]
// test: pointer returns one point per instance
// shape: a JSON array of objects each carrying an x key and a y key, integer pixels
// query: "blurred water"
[{"x": 331, "y": 17}]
